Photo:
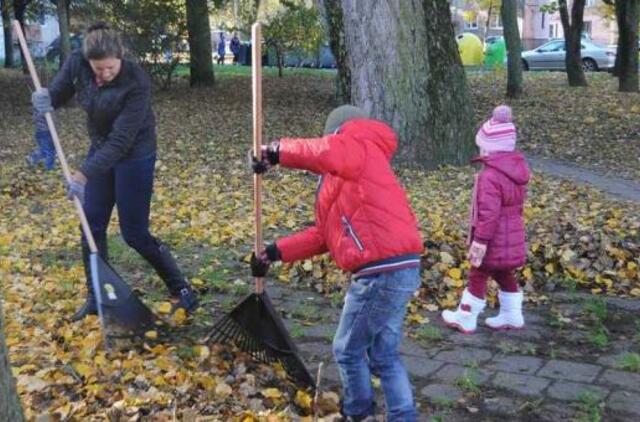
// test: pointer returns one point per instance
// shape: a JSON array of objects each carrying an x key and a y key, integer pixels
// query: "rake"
[
  {"x": 254, "y": 325},
  {"x": 120, "y": 311}
]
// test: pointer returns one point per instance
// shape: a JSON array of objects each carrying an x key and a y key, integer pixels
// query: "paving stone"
[
  {"x": 421, "y": 367},
  {"x": 526, "y": 334},
  {"x": 527, "y": 385},
  {"x": 516, "y": 364},
  {"x": 572, "y": 391},
  {"x": 632, "y": 305},
  {"x": 501, "y": 406},
  {"x": 622, "y": 379},
  {"x": 325, "y": 331},
  {"x": 572, "y": 371},
  {"x": 553, "y": 412},
  {"x": 441, "y": 392},
  {"x": 321, "y": 351},
  {"x": 464, "y": 355},
  {"x": 412, "y": 348},
  {"x": 624, "y": 401},
  {"x": 476, "y": 340},
  {"x": 451, "y": 373},
  {"x": 331, "y": 374}
]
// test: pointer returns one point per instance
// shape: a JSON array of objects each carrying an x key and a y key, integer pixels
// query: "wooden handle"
[
  {"x": 256, "y": 75},
  {"x": 54, "y": 135}
]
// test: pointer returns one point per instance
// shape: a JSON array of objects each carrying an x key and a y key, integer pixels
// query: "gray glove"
[
  {"x": 41, "y": 101},
  {"x": 75, "y": 188}
]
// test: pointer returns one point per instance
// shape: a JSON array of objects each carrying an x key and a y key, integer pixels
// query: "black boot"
[
  {"x": 165, "y": 265},
  {"x": 90, "y": 306}
]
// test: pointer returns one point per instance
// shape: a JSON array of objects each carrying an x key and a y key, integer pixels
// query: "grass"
[
  {"x": 597, "y": 308},
  {"x": 590, "y": 408},
  {"x": 599, "y": 336},
  {"x": 429, "y": 335},
  {"x": 467, "y": 383},
  {"x": 268, "y": 71},
  {"x": 297, "y": 331},
  {"x": 630, "y": 362}
]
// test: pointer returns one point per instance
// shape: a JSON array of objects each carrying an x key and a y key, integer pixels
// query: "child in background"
[
  {"x": 497, "y": 233},
  {"x": 44, "y": 152}
]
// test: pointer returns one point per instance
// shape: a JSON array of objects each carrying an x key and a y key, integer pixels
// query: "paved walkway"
[
  {"x": 549, "y": 371},
  {"x": 616, "y": 187}
]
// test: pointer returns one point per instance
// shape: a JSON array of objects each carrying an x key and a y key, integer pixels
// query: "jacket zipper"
[{"x": 352, "y": 233}]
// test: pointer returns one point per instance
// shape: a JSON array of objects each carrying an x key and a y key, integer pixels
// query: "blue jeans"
[{"x": 367, "y": 342}]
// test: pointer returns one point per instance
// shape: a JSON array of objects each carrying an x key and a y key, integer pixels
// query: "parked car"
[{"x": 551, "y": 56}]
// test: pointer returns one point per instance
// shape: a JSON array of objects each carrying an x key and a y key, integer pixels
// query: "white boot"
[
  {"x": 510, "y": 316},
  {"x": 465, "y": 318}
]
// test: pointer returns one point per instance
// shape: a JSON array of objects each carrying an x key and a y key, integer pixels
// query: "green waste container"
[
  {"x": 470, "y": 48},
  {"x": 495, "y": 53}
]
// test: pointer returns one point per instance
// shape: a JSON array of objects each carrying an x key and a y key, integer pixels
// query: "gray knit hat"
[{"x": 341, "y": 115}]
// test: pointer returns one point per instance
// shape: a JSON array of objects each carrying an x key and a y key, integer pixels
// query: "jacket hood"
[
  {"x": 373, "y": 132},
  {"x": 511, "y": 164}
]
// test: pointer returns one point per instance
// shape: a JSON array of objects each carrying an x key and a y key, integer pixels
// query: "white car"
[{"x": 550, "y": 56}]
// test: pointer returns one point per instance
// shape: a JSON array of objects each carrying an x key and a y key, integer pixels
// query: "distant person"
[
  {"x": 497, "y": 232},
  {"x": 44, "y": 153},
  {"x": 119, "y": 167},
  {"x": 221, "y": 48},
  {"x": 235, "y": 48}
]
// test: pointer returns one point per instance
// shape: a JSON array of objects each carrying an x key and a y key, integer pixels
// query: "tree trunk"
[
  {"x": 572, "y": 40},
  {"x": 627, "y": 14},
  {"x": 8, "y": 33},
  {"x": 406, "y": 71},
  {"x": 488, "y": 23},
  {"x": 509, "y": 13},
  {"x": 10, "y": 406},
  {"x": 331, "y": 10},
  {"x": 63, "y": 23},
  {"x": 199, "y": 43},
  {"x": 19, "y": 9}
]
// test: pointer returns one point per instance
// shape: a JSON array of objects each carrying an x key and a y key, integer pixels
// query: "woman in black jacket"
[{"x": 118, "y": 170}]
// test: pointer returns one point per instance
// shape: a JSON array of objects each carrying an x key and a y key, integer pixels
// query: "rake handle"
[
  {"x": 256, "y": 75},
  {"x": 54, "y": 135}
]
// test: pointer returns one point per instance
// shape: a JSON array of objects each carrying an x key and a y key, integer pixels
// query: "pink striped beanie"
[{"x": 497, "y": 133}]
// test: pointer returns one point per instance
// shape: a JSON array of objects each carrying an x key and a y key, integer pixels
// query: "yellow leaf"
[
  {"x": 179, "y": 316},
  {"x": 151, "y": 335},
  {"x": 223, "y": 390},
  {"x": 550, "y": 268},
  {"x": 417, "y": 319},
  {"x": 164, "y": 308},
  {"x": 446, "y": 258},
  {"x": 307, "y": 265},
  {"x": 271, "y": 393},
  {"x": 527, "y": 273},
  {"x": 197, "y": 282},
  {"x": 631, "y": 265},
  {"x": 303, "y": 400},
  {"x": 83, "y": 369},
  {"x": 455, "y": 273},
  {"x": 568, "y": 255},
  {"x": 635, "y": 292}
]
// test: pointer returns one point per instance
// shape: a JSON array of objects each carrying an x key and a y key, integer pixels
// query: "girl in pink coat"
[{"x": 497, "y": 234}]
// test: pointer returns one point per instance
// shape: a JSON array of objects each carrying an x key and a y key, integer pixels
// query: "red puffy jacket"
[
  {"x": 362, "y": 215},
  {"x": 497, "y": 205}
]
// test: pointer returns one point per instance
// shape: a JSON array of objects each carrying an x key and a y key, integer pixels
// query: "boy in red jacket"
[
  {"x": 497, "y": 234},
  {"x": 363, "y": 219}
]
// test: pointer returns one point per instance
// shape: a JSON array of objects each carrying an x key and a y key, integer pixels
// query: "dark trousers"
[{"x": 129, "y": 186}]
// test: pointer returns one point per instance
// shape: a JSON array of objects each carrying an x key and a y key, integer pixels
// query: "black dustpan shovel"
[
  {"x": 121, "y": 312},
  {"x": 254, "y": 325}
]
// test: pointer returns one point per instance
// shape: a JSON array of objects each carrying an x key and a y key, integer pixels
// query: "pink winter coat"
[{"x": 496, "y": 210}]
